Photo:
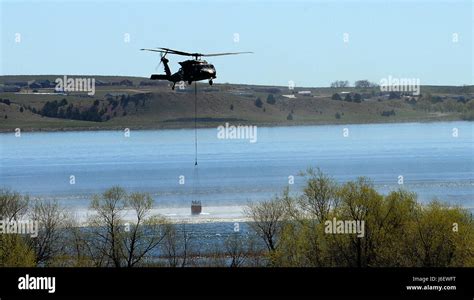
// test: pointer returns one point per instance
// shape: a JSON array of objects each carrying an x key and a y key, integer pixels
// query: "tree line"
[
  {"x": 286, "y": 231},
  {"x": 399, "y": 231},
  {"x": 98, "y": 111}
]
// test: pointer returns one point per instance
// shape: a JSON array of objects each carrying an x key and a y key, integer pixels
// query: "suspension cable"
[{"x": 195, "y": 126}]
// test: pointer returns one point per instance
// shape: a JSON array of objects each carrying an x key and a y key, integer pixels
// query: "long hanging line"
[
  {"x": 196, "y": 170},
  {"x": 195, "y": 126}
]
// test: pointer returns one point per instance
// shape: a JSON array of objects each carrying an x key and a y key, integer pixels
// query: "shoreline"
[
  {"x": 213, "y": 125},
  {"x": 176, "y": 215}
]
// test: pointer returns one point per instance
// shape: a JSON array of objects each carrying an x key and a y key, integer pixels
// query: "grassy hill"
[{"x": 135, "y": 102}]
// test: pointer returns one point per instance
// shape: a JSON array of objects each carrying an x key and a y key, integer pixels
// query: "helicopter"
[{"x": 191, "y": 70}]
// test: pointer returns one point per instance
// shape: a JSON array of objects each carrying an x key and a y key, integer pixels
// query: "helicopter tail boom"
[
  {"x": 160, "y": 77},
  {"x": 165, "y": 64}
]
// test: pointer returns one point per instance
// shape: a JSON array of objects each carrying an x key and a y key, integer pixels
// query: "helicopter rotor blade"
[
  {"x": 195, "y": 55},
  {"x": 178, "y": 52},
  {"x": 226, "y": 53},
  {"x": 200, "y": 54},
  {"x": 154, "y": 50}
]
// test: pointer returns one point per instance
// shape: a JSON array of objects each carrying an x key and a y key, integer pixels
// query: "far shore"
[{"x": 203, "y": 125}]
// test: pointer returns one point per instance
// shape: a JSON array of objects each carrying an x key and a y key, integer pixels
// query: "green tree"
[
  {"x": 51, "y": 240},
  {"x": 107, "y": 225},
  {"x": 267, "y": 218},
  {"x": 319, "y": 196},
  {"x": 119, "y": 243},
  {"x": 340, "y": 84},
  {"x": 440, "y": 236},
  {"x": 177, "y": 245},
  {"x": 357, "y": 98},
  {"x": 235, "y": 249},
  {"x": 146, "y": 233},
  {"x": 398, "y": 231},
  {"x": 271, "y": 99},
  {"x": 14, "y": 250}
]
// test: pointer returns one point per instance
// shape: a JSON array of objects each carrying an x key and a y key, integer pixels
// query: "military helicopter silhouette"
[{"x": 191, "y": 70}]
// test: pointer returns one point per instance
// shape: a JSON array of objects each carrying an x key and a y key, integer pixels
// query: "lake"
[{"x": 433, "y": 160}]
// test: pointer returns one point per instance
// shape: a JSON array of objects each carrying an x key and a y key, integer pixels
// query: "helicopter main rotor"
[
  {"x": 191, "y": 70},
  {"x": 196, "y": 55}
]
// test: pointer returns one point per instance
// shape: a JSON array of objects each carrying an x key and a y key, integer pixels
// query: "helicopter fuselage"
[{"x": 191, "y": 70}]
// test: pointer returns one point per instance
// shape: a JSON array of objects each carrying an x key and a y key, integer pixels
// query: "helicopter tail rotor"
[
  {"x": 165, "y": 61},
  {"x": 162, "y": 59}
]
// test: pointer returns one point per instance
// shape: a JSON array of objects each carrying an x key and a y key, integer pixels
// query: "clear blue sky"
[{"x": 300, "y": 41}]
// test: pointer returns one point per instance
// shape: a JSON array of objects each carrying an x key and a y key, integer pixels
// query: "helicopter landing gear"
[
  {"x": 190, "y": 82},
  {"x": 210, "y": 82},
  {"x": 174, "y": 83}
]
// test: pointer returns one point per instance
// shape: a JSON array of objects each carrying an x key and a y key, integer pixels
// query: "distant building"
[
  {"x": 101, "y": 83},
  {"x": 17, "y": 83},
  {"x": 35, "y": 85},
  {"x": 126, "y": 82},
  {"x": 10, "y": 89},
  {"x": 43, "y": 84},
  {"x": 305, "y": 93}
]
